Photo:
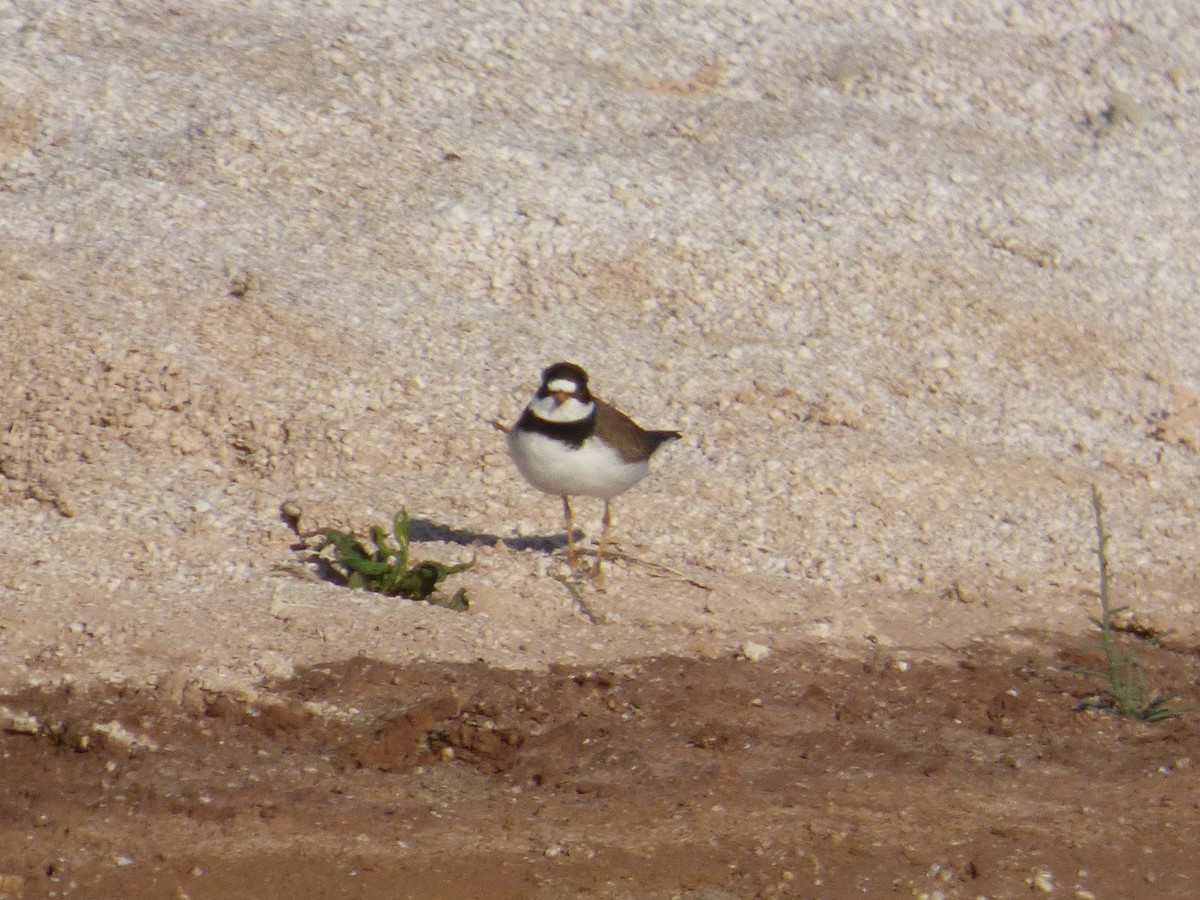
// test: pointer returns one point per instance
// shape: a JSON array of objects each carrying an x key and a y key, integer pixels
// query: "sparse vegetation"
[
  {"x": 1124, "y": 690},
  {"x": 384, "y": 566}
]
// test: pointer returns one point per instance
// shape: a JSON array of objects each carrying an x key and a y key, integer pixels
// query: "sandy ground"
[{"x": 908, "y": 279}]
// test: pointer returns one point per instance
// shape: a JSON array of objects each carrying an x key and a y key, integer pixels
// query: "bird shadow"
[{"x": 422, "y": 530}]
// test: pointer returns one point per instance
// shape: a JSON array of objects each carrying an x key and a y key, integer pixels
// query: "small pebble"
[{"x": 1043, "y": 881}]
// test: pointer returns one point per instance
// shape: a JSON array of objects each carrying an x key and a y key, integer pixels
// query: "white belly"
[{"x": 593, "y": 470}]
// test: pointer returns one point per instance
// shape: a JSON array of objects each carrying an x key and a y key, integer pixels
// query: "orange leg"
[
  {"x": 597, "y": 572},
  {"x": 570, "y": 532}
]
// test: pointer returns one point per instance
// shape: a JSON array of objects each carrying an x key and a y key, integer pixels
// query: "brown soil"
[{"x": 799, "y": 775}]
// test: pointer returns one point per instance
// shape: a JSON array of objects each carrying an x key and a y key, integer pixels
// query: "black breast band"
[{"x": 571, "y": 433}]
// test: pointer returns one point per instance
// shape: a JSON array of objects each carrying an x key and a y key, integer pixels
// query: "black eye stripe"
[{"x": 580, "y": 394}]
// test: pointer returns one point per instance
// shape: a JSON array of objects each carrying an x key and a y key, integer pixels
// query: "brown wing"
[{"x": 630, "y": 440}]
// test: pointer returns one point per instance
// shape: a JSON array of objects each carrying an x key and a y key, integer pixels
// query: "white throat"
[{"x": 546, "y": 409}]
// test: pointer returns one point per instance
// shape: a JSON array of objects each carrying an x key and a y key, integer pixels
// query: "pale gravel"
[{"x": 904, "y": 289}]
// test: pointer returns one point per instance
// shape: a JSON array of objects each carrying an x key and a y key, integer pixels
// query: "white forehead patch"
[{"x": 566, "y": 385}]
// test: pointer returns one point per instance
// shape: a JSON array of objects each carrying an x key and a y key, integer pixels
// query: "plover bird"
[{"x": 569, "y": 443}]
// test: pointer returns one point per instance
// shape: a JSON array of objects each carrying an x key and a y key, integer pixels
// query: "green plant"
[
  {"x": 385, "y": 569},
  {"x": 1124, "y": 690}
]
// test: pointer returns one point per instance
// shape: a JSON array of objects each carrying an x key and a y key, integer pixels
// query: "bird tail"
[{"x": 663, "y": 437}]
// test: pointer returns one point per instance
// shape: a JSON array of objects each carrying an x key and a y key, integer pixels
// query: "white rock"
[
  {"x": 1043, "y": 881},
  {"x": 754, "y": 651}
]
